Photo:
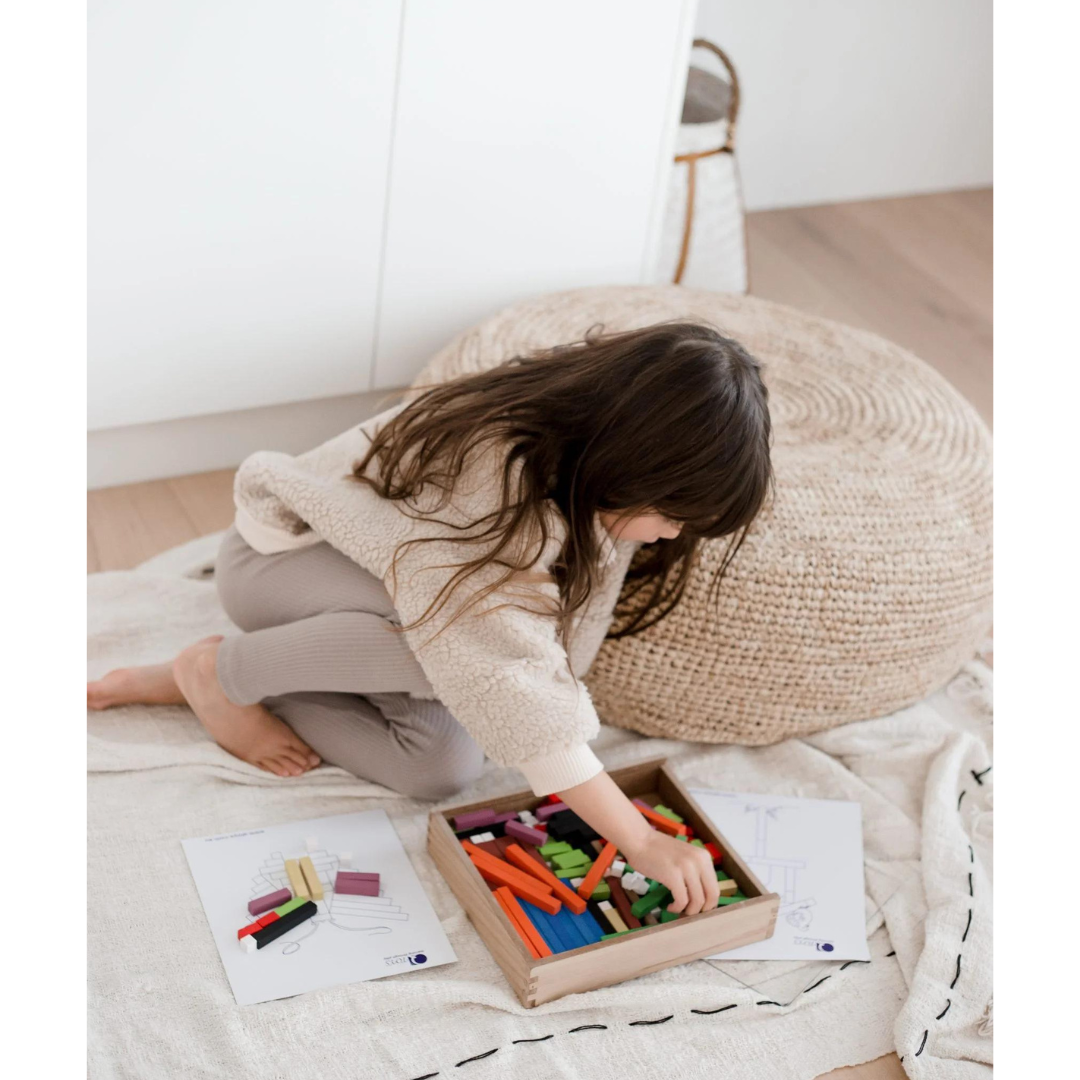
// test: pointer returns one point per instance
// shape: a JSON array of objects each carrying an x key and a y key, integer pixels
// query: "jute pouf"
[{"x": 864, "y": 585}]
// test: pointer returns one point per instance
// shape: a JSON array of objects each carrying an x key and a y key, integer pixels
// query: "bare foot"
[
  {"x": 150, "y": 685},
  {"x": 249, "y": 732}
]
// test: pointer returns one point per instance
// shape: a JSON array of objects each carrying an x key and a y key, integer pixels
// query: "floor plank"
[
  {"x": 206, "y": 498},
  {"x": 916, "y": 270},
  {"x": 129, "y": 524},
  {"x": 930, "y": 236}
]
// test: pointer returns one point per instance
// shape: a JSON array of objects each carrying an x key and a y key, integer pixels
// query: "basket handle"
[{"x": 733, "y": 78}]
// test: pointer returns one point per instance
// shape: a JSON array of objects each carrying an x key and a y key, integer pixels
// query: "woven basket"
[
  {"x": 861, "y": 589},
  {"x": 703, "y": 240}
]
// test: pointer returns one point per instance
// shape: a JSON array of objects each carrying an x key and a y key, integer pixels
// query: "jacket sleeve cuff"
[{"x": 561, "y": 770}]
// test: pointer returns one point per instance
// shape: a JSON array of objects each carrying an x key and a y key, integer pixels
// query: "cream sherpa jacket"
[{"x": 500, "y": 668}]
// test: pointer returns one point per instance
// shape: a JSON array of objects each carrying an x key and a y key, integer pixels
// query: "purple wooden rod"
[
  {"x": 356, "y": 888},
  {"x": 474, "y": 820},
  {"x": 271, "y": 900},
  {"x": 525, "y": 833},
  {"x": 545, "y": 811},
  {"x": 642, "y": 803},
  {"x": 355, "y": 875},
  {"x": 510, "y": 816}
]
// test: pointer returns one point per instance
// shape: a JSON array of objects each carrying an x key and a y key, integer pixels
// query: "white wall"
[
  {"x": 857, "y": 99},
  {"x": 291, "y": 202},
  {"x": 237, "y": 177},
  {"x": 195, "y": 444},
  {"x": 532, "y": 152}
]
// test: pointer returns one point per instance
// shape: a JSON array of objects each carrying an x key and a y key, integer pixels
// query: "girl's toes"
[
  {"x": 300, "y": 749},
  {"x": 274, "y": 767},
  {"x": 292, "y": 759},
  {"x": 302, "y": 754},
  {"x": 299, "y": 758}
]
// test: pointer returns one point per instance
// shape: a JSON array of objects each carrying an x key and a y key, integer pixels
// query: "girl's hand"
[{"x": 685, "y": 869}]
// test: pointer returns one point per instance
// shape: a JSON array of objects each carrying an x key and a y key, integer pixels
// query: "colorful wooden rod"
[
  {"x": 351, "y": 884},
  {"x": 526, "y": 834},
  {"x": 281, "y": 925},
  {"x": 270, "y": 900},
  {"x": 473, "y": 820},
  {"x": 311, "y": 879},
  {"x": 271, "y": 916}
]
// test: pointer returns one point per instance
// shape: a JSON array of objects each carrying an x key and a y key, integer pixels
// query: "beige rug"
[{"x": 160, "y": 1005}]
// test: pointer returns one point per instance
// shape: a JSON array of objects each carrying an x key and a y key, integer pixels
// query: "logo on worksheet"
[
  {"x": 819, "y": 944},
  {"x": 411, "y": 959}
]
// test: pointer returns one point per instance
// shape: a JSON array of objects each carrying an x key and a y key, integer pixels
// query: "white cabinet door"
[
  {"x": 238, "y": 163},
  {"x": 532, "y": 150}
]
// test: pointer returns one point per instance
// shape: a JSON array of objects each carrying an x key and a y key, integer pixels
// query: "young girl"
[{"x": 431, "y": 586}]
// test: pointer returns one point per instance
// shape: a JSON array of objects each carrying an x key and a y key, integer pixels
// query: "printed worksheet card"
[
  {"x": 810, "y": 852},
  {"x": 352, "y": 937}
]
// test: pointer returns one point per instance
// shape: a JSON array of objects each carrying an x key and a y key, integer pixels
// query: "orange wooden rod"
[
  {"x": 527, "y": 889},
  {"x": 664, "y": 824},
  {"x": 524, "y": 923},
  {"x": 520, "y": 858},
  {"x": 596, "y": 871},
  {"x": 483, "y": 858},
  {"x": 500, "y": 895}
]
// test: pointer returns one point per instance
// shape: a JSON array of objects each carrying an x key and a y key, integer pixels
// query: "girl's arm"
[{"x": 685, "y": 869}]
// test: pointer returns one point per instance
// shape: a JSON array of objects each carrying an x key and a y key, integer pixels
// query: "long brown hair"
[{"x": 672, "y": 418}]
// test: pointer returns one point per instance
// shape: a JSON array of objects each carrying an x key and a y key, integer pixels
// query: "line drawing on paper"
[
  {"x": 369, "y": 915},
  {"x": 778, "y": 875}
]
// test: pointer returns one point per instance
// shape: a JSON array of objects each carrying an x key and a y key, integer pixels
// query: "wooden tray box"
[{"x": 606, "y": 962}]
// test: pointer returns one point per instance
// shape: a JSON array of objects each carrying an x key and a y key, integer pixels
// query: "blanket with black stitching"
[{"x": 160, "y": 1004}]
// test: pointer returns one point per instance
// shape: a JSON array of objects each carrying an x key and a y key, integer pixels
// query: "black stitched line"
[
  {"x": 663, "y": 1020},
  {"x": 479, "y": 1057},
  {"x": 971, "y": 892},
  {"x": 888, "y": 954}
]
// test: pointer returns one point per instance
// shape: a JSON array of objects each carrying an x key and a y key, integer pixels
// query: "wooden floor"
[{"x": 916, "y": 270}]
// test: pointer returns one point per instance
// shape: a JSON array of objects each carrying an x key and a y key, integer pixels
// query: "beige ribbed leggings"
[{"x": 318, "y": 651}]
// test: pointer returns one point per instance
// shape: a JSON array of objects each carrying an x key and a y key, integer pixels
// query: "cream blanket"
[{"x": 160, "y": 1005}]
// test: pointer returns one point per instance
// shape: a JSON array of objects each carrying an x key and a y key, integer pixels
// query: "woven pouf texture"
[{"x": 860, "y": 589}]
